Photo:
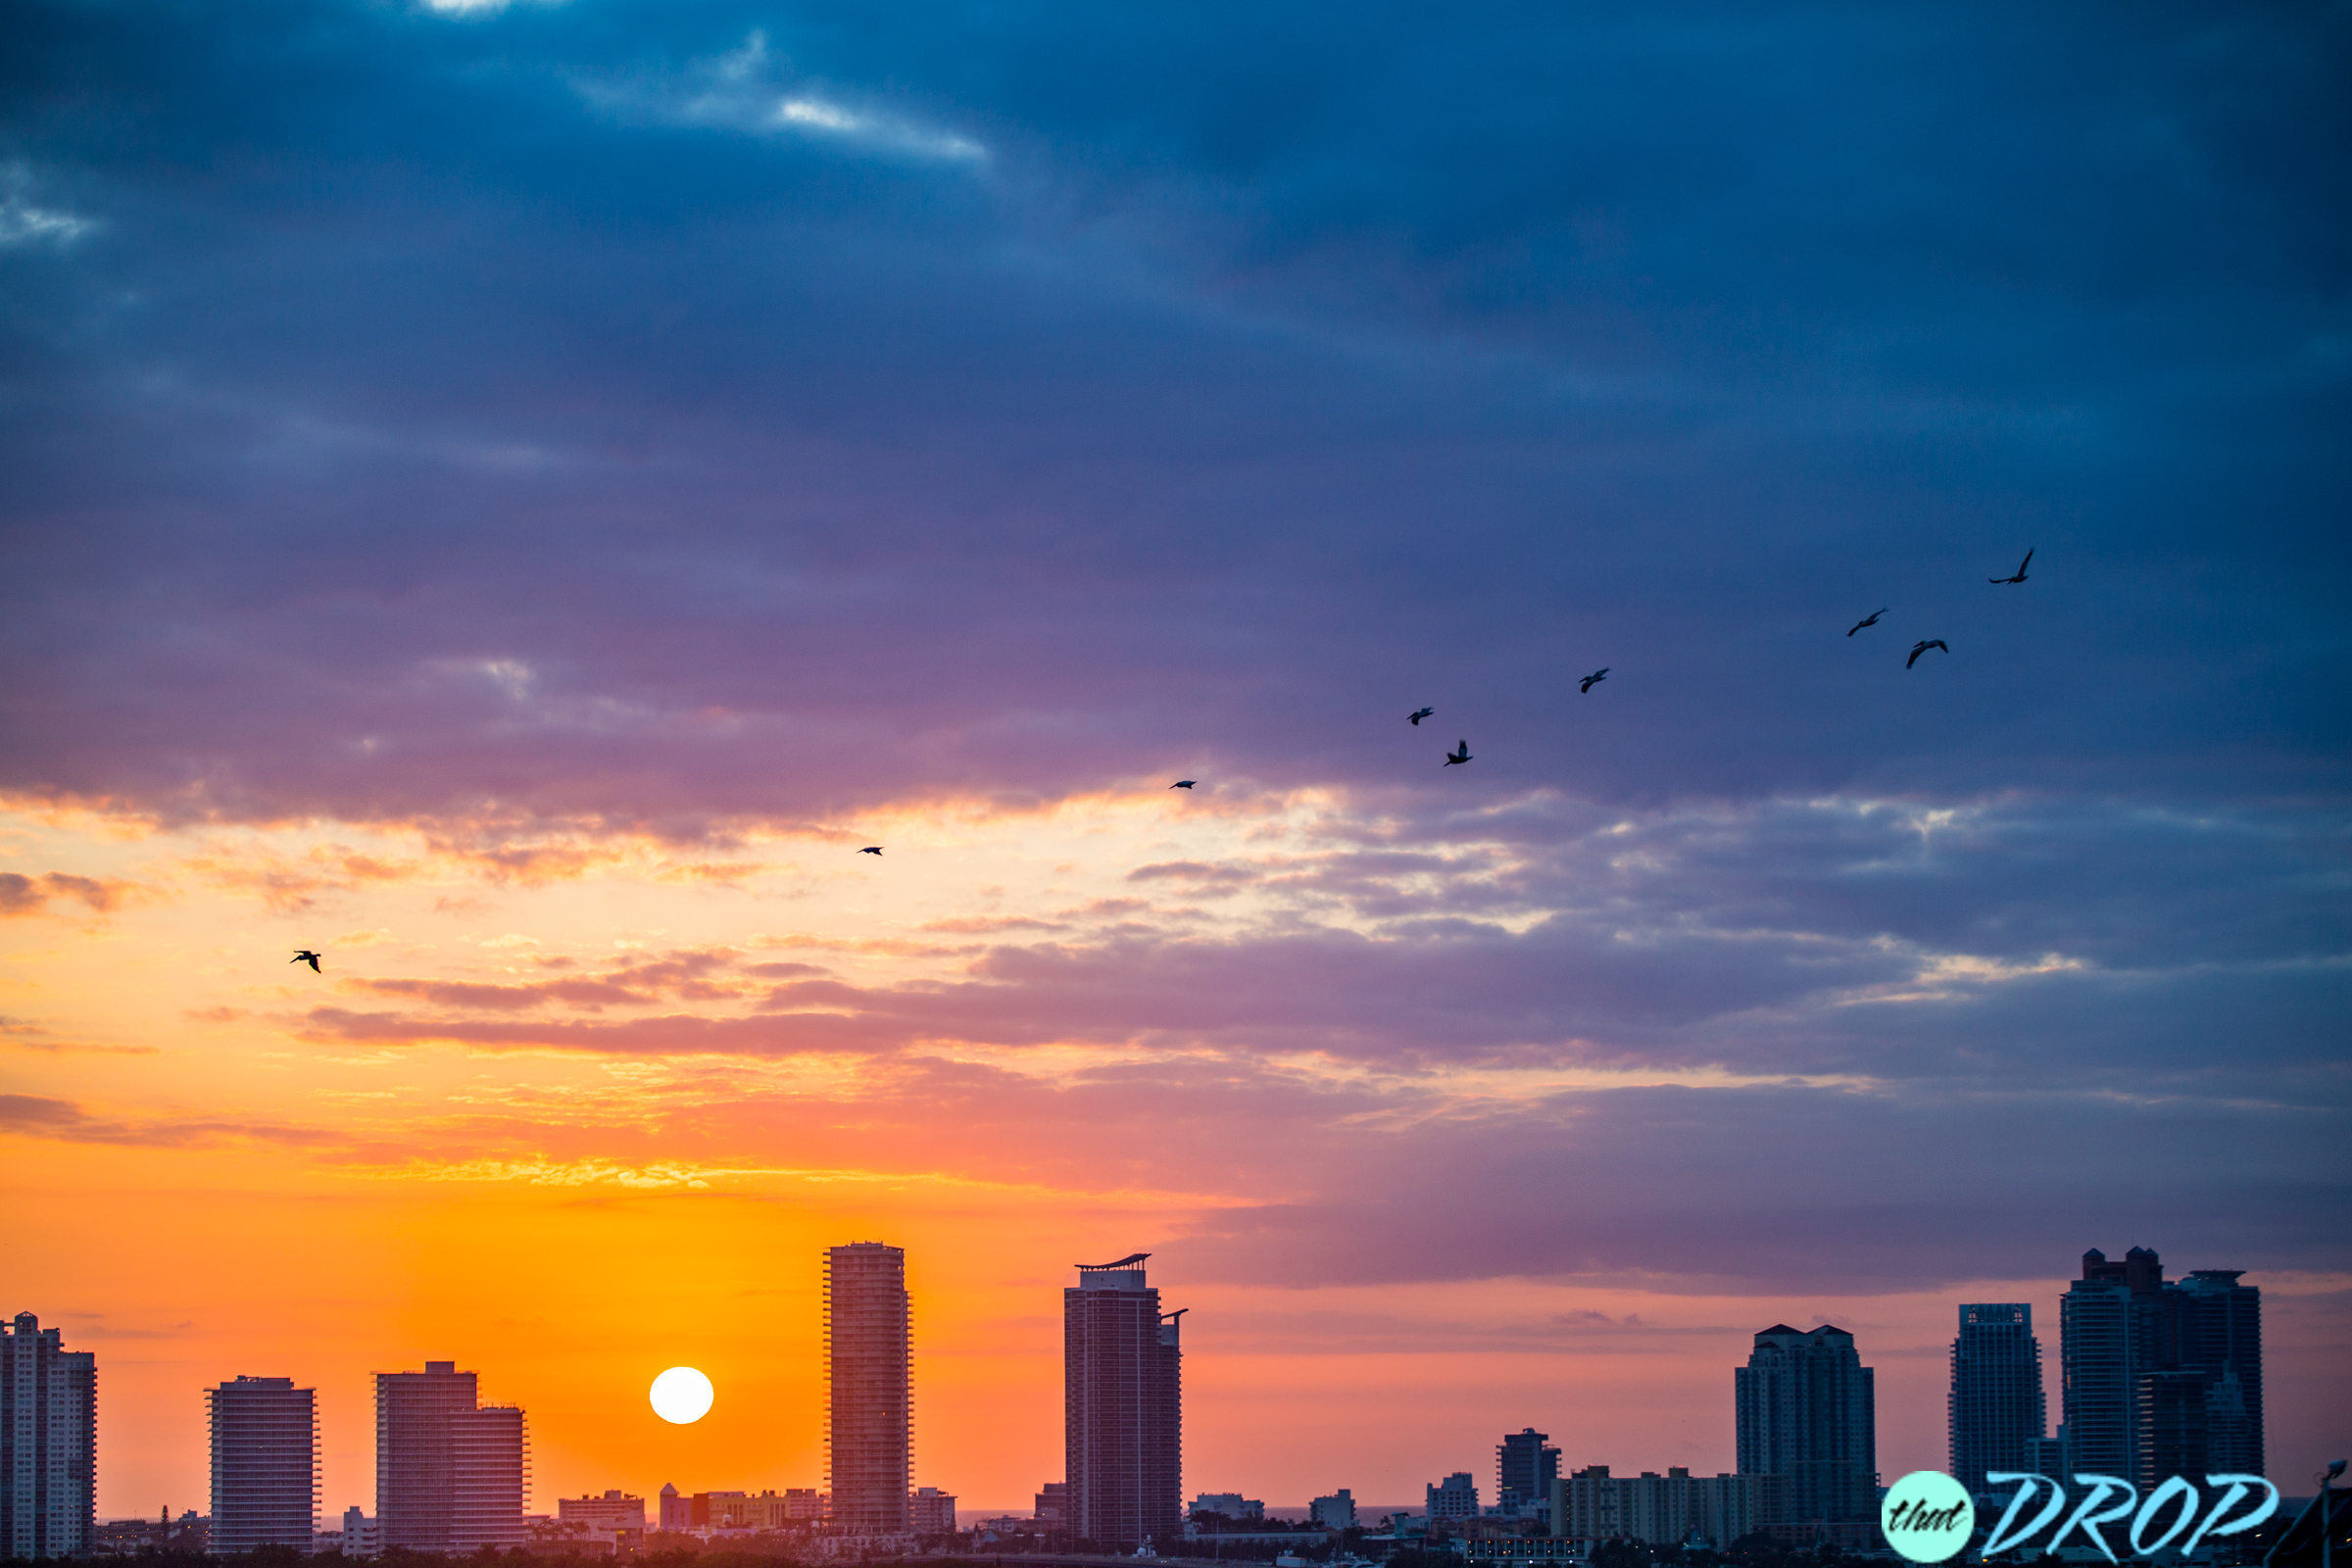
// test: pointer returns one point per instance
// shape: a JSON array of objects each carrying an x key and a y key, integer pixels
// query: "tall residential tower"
[
  {"x": 868, "y": 1441},
  {"x": 48, "y": 1442},
  {"x": 449, "y": 1470},
  {"x": 265, "y": 1464},
  {"x": 1526, "y": 1464},
  {"x": 1808, "y": 1426},
  {"x": 1123, "y": 1424},
  {"x": 2159, "y": 1379},
  {"x": 1996, "y": 1404}
]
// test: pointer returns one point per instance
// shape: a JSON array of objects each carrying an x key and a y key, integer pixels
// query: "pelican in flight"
[
  {"x": 1419, "y": 714},
  {"x": 306, "y": 955},
  {"x": 1870, "y": 619},
  {"x": 1184, "y": 784},
  {"x": 2020, "y": 575},
  {"x": 1594, "y": 679},
  {"x": 871, "y": 849},
  {"x": 1460, "y": 754},
  {"x": 1922, "y": 646}
]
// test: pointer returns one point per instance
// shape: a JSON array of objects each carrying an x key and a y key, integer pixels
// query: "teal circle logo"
[{"x": 1927, "y": 1516}]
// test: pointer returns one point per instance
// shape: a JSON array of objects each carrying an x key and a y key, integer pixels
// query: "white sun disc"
[{"x": 681, "y": 1394}]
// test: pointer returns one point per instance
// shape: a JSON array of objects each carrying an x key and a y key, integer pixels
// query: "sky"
[{"x": 516, "y": 496}]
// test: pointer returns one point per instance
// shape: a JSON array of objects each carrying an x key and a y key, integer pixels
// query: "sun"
[{"x": 681, "y": 1394}]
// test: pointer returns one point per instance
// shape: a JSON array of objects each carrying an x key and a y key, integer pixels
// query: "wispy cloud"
[
  {"x": 752, "y": 89},
  {"x": 28, "y": 894},
  {"x": 24, "y": 221}
]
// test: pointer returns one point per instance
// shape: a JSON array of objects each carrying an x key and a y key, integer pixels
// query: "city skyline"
[
  {"x": 1803, "y": 1407},
  {"x": 1526, "y": 687}
]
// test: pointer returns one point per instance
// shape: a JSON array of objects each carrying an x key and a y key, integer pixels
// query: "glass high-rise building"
[
  {"x": 1122, "y": 1410},
  {"x": 1808, "y": 1426},
  {"x": 868, "y": 1436},
  {"x": 449, "y": 1470},
  {"x": 2159, "y": 1379},
  {"x": 1996, "y": 1403},
  {"x": 48, "y": 1442},
  {"x": 264, "y": 1440}
]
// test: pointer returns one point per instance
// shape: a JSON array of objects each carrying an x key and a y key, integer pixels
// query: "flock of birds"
[{"x": 1461, "y": 750}]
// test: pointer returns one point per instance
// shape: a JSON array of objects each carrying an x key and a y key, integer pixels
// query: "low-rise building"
[
  {"x": 1663, "y": 1510},
  {"x": 1335, "y": 1512},
  {"x": 360, "y": 1536},
  {"x": 1455, "y": 1498},
  {"x": 1053, "y": 1505},
  {"x": 1229, "y": 1505},
  {"x": 614, "y": 1510},
  {"x": 931, "y": 1512}
]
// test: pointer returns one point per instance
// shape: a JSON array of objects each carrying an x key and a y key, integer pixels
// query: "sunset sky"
[{"x": 514, "y": 496}]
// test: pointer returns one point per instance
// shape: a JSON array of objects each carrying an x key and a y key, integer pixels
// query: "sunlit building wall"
[{"x": 869, "y": 1439}]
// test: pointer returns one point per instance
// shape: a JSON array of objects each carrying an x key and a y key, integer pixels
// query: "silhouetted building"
[
  {"x": 1997, "y": 1405},
  {"x": 2159, "y": 1379},
  {"x": 1662, "y": 1509},
  {"x": 1229, "y": 1506},
  {"x": 1053, "y": 1505},
  {"x": 264, "y": 1437},
  {"x": 2221, "y": 1335},
  {"x": 677, "y": 1512},
  {"x": 1456, "y": 1497},
  {"x": 868, "y": 1439},
  {"x": 1808, "y": 1426},
  {"x": 449, "y": 1470},
  {"x": 1122, "y": 1408},
  {"x": 1334, "y": 1512},
  {"x": 1526, "y": 1464},
  {"x": 48, "y": 1442}
]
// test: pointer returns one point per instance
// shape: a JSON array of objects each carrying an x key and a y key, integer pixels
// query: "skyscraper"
[
  {"x": 869, "y": 1444},
  {"x": 2159, "y": 1379},
  {"x": 1808, "y": 1424},
  {"x": 1526, "y": 1464},
  {"x": 1996, "y": 1403},
  {"x": 449, "y": 1470},
  {"x": 2221, "y": 1335},
  {"x": 48, "y": 1442},
  {"x": 265, "y": 1435},
  {"x": 1122, "y": 1411}
]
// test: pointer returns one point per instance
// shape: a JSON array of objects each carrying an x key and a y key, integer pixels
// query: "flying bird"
[
  {"x": 1420, "y": 713},
  {"x": 1870, "y": 619},
  {"x": 1922, "y": 646},
  {"x": 1594, "y": 679},
  {"x": 306, "y": 955},
  {"x": 871, "y": 849},
  {"x": 2021, "y": 570},
  {"x": 1184, "y": 784},
  {"x": 1460, "y": 754}
]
